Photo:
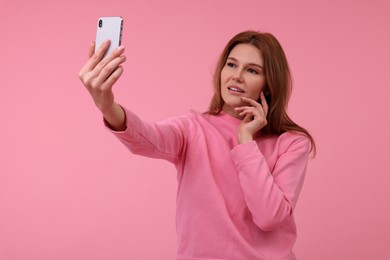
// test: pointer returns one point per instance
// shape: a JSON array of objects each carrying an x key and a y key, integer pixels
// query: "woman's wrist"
[
  {"x": 244, "y": 138},
  {"x": 115, "y": 117}
]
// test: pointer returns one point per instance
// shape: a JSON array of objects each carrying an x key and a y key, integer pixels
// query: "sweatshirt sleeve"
[
  {"x": 162, "y": 140},
  {"x": 271, "y": 194}
]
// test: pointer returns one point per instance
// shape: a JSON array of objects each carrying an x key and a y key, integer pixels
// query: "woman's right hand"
[{"x": 99, "y": 75}]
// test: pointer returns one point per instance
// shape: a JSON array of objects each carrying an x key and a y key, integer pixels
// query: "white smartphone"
[{"x": 109, "y": 28}]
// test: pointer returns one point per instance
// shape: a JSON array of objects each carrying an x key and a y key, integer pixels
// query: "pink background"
[{"x": 70, "y": 190}]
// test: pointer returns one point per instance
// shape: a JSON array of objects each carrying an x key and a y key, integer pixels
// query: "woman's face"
[{"x": 242, "y": 76}]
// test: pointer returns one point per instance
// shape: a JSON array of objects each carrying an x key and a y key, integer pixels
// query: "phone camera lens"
[{"x": 100, "y": 23}]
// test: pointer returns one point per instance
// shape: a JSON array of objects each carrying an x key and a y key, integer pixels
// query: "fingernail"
[
  {"x": 106, "y": 41},
  {"x": 120, "y": 48}
]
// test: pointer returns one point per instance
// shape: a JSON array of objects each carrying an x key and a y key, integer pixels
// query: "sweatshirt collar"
[{"x": 228, "y": 118}]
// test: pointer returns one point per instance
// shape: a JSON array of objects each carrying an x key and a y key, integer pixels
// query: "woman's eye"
[
  {"x": 231, "y": 64},
  {"x": 253, "y": 71}
]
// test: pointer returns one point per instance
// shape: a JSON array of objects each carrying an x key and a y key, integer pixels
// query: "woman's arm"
[
  {"x": 98, "y": 76},
  {"x": 163, "y": 140},
  {"x": 271, "y": 194}
]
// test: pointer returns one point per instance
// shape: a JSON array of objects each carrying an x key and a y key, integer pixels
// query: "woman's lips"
[{"x": 235, "y": 89}]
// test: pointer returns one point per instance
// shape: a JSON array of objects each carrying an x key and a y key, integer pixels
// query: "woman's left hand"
[{"x": 255, "y": 118}]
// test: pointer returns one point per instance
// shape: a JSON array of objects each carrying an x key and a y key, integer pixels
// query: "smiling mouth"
[{"x": 235, "y": 89}]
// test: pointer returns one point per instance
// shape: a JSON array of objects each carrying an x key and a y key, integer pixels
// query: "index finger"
[
  {"x": 91, "y": 49},
  {"x": 252, "y": 102},
  {"x": 96, "y": 57}
]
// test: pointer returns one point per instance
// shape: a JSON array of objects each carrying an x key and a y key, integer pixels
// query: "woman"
[{"x": 240, "y": 165}]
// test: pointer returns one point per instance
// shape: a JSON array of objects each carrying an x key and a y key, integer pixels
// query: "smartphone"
[
  {"x": 109, "y": 28},
  {"x": 267, "y": 99}
]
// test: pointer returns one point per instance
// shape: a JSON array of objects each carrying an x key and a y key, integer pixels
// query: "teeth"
[{"x": 236, "y": 90}]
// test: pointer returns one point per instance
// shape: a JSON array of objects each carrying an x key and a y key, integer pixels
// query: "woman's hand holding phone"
[
  {"x": 99, "y": 75},
  {"x": 255, "y": 118}
]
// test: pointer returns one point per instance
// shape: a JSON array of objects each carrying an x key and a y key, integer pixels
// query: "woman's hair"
[{"x": 278, "y": 82}]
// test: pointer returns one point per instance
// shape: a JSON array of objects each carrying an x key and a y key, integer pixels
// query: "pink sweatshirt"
[{"x": 234, "y": 201}]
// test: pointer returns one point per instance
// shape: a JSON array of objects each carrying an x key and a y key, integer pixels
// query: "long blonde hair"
[{"x": 278, "y": 82}]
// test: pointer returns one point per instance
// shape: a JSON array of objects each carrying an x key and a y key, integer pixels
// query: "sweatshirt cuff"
[{"x": 109, "y": 128}]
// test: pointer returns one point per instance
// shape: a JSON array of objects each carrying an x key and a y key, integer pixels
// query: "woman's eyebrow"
[{"x": 251, "y": 64}]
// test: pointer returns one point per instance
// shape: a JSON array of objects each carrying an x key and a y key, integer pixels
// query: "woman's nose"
[{"x": 237, "y": 77}]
